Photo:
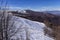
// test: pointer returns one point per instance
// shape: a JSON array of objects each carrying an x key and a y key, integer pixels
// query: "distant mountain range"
[
  {"x": 54, "y": 12},
  {"x": 48, "y": 16}
]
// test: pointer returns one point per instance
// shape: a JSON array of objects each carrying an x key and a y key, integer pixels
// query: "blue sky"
[{"x": 34, "y": 4}]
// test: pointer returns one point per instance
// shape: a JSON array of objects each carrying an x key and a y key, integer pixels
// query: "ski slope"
[{"x": 24, "y": 29}]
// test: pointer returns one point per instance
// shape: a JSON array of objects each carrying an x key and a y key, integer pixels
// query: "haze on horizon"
[{"x": 38, "y": 5}]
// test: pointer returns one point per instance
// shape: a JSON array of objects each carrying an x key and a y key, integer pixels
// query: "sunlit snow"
[{"x": 23, "y": 28}]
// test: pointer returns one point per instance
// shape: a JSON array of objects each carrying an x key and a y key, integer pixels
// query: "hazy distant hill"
[{"x": 54, "y": 12}]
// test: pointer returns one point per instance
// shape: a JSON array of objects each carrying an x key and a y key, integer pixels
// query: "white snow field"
[{"x": 24, "y": 29}]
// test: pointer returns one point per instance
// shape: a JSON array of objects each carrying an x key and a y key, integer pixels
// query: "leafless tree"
[{"x": 3, "y": 21}]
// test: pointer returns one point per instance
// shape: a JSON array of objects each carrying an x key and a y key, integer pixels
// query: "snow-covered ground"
[{"x": 24, "y": 29}]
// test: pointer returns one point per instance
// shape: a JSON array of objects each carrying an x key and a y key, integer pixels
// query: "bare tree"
[{"x": 3, "y": 21}]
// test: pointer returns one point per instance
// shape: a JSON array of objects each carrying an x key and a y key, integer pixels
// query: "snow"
[
  {"x": 22, "y": 11},
  {"x": 22, "y": 26}
]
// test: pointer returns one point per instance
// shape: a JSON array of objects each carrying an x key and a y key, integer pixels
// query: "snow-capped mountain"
[
  {"x": 21, "y": 11},
  {"x": 24, "y": 29}
]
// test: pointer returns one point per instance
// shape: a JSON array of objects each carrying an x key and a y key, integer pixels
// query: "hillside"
[
  {"x": 39, "y": 16},
  {"x": 50, "y": 20},
  {"x": 27, "y": 29}
]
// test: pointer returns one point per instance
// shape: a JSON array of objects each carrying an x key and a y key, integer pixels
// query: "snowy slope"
[{"x": 23, "y": 28}]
